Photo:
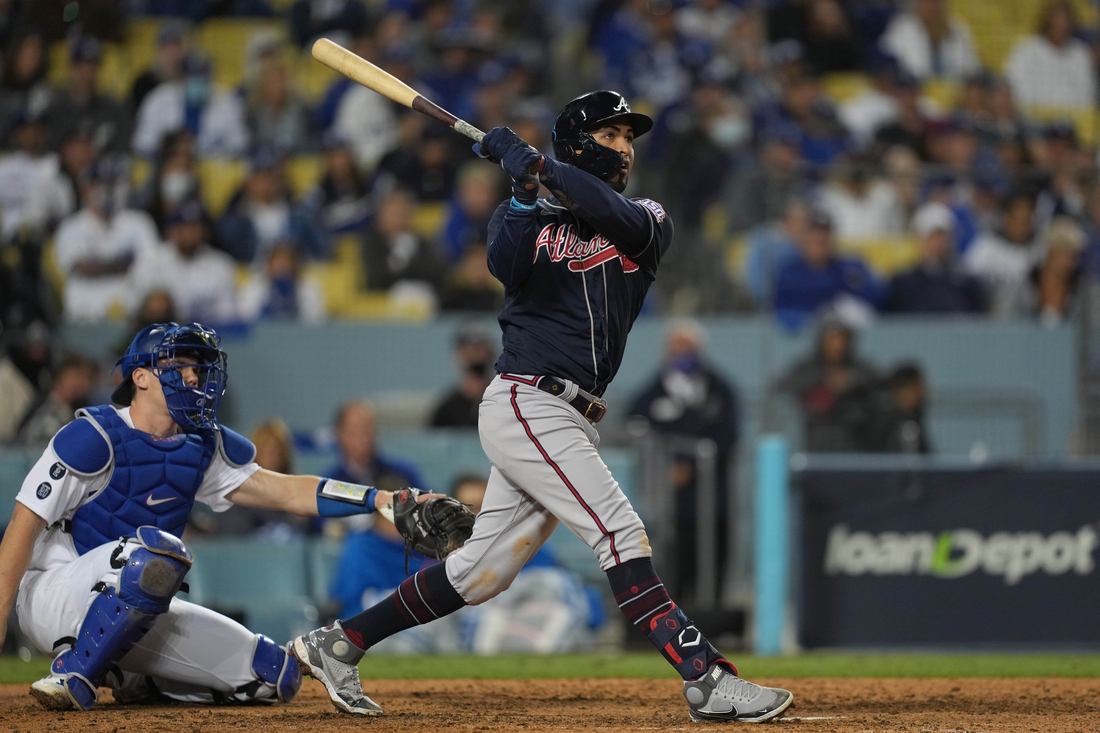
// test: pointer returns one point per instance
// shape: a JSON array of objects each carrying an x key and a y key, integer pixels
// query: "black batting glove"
[
  {"x": 497, "y": 142},
  {"x": 523, "y": 164}
]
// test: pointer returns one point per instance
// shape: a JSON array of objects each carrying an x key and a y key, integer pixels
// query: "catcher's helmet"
[
  {"x": 573, "y": 144},
  {"x": 163, "y": 347}
]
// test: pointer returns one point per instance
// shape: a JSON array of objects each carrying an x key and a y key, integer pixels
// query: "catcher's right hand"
[{"x": 434, "y": 527}]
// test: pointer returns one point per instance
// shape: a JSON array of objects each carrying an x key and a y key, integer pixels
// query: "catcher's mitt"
[{"x": 434, "y": 528}]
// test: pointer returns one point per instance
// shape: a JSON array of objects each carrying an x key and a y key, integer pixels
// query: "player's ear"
[{"x": 141, "y": 377}]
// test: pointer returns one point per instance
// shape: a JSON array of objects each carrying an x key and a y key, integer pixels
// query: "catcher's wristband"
[{"x": 340, "y": 499}]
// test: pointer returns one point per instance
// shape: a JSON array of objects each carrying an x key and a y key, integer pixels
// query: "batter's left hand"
[{"x": 523, "y": 164}]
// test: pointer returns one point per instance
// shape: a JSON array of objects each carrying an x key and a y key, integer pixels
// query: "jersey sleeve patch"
[
  {"x": 82, "y": 447},
  {"x": 237, "y": 449},
  {"x": 655, "y": 208}
]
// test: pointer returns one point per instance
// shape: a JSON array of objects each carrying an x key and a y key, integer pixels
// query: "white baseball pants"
[
  {"x": 189, "y": 652},
  {"x": 545, "y": 469}
]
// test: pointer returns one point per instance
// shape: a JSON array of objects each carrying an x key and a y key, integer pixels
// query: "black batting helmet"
[{"x": 573, "y": 144}]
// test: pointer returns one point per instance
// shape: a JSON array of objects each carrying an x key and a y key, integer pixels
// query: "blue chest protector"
[{"x": 154, "y": 480}]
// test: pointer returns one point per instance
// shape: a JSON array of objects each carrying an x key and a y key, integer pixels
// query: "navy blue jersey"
[{"x": 575, "y": 272}]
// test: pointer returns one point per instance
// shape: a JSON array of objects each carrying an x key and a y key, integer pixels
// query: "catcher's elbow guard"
[{"x": 341, "y": 499}]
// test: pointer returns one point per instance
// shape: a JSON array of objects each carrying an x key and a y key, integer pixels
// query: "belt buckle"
[{"x": 595, "y": 411}]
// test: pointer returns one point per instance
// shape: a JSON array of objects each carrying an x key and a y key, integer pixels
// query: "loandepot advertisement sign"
[
  {"x": 957, "y": 553},
  {"x": 954, "y": 557}
]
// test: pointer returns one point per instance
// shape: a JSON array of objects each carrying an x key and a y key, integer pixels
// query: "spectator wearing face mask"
[
  {"x": 216, "y": 120},
  {"x": 474, "y": 356},
  {"x": 97, "y": 245},
  {"x": 280, "y": 293},
  {"x": 699, "y": 157},
  {"x": 690, "y": 398},
  {"x": 174, "y": 179}
]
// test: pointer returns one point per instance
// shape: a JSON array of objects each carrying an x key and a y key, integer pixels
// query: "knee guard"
[
  {"x": 272, "y": 665},
  {"x": 119, "y": 617}
]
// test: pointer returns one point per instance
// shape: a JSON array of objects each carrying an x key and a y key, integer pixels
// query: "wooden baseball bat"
[{"x": 358, "y": 69}]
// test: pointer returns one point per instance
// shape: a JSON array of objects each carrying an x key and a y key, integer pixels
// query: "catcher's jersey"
[
  {"x": 576, "y": 272},
  {"x": 55, "y": 493}
]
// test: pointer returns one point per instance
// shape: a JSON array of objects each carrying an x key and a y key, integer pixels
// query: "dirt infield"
[{"x": 608, "y": 705}]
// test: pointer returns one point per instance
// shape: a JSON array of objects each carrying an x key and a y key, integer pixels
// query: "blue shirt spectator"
[
  {"x": 371, "y": 560},
  {"x": 360, "y": 461},
  {"x": 819, "y": 278},
  {"x": 771, "y": 248}
]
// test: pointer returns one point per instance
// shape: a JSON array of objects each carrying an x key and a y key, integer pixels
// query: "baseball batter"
[
  {"x": 576, "y": 268},
  {"x": 93, "y": 544}
]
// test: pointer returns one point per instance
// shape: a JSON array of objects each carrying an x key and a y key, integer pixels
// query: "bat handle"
[{"x": 465, "y": 128}]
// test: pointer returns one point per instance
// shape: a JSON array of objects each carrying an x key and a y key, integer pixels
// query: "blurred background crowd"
[
  {"x": 895, "y": 156},
  {"x": 828, "y": 164}
]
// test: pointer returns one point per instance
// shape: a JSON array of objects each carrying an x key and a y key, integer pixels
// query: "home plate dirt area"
[{"x": 1048, "y": 705}]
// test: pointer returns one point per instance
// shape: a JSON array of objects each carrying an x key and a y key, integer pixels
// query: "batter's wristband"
[
  {"x": 520, "y": 206},
  {"x": 341, "y": 499}
]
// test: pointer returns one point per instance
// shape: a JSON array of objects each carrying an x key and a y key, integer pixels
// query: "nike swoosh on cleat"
[{"x": 150, "y": 501}]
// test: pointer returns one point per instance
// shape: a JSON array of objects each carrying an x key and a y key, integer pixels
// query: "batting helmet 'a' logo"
[
  {"x": 43, "y": 490},
  {"x": 622, "y": 106},
  {"x": 57, "y": 471}
]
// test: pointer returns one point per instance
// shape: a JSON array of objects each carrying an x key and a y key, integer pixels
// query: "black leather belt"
[{"x": 592, "y": 408}]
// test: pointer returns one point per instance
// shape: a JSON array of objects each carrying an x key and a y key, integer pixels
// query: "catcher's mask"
[
  {"x": 574, "y": 145},
  {"x": 166, "y": 349}
]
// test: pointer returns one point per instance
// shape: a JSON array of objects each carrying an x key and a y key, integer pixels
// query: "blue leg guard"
[
  {"x": 117, "y": 620},
  {"x": 274, "y": 666}
]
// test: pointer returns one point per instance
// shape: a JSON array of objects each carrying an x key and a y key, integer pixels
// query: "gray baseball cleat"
[
  {"x": 327, "y": 655},
  {"x": 720, "y": 695}
]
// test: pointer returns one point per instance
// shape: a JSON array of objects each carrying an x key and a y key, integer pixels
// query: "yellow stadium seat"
[
  {"x": 1084, "y": 120},
  {"x": 944, "y": 92},
  {"x": 885, "y": 256},
  {"x": 219, "y": 179},
  {"x": 139, "y": 172},
  {"x": 303, "y": 173},
  {"x": 241, "y": 275},
  {"x": 116, "y": 73},
  {"x": 50, "y": 268},
  {"x": 142, "y": 32},
  {"x": 843, "y": 88},
  {"x": 428, "y": 219},
  {"x": 312, "y": 78},
  {"x": 226, "y": 41}
]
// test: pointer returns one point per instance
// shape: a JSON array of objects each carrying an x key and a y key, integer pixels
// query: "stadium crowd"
[{"x": 854, "y": 157}]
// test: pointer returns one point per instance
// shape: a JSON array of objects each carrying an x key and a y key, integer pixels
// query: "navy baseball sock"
[
  {"x": 644, "y": 601},
  {"x": 420, "y": 598}
]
